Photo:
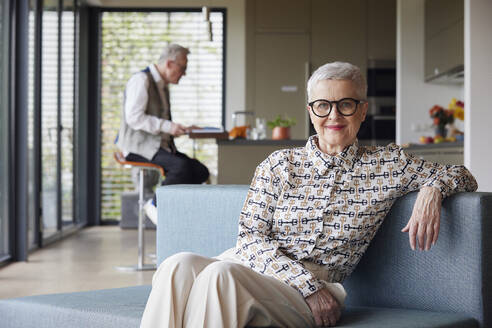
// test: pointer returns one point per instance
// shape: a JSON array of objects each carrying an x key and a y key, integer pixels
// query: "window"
[{"x": 130, "y": 42}]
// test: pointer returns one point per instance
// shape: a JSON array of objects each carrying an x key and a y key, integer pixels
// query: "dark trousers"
[{"x": 179, "y": 168}]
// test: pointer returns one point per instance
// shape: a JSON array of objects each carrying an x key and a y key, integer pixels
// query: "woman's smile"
[{"x": 334, "y": 127}]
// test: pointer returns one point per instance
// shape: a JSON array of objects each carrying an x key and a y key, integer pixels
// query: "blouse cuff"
[
  {"x": 166, "y": 126},
  {"x": 310, "y": 287}
]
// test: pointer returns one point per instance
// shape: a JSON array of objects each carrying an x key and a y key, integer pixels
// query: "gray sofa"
[{"x": 392, "y": 286}]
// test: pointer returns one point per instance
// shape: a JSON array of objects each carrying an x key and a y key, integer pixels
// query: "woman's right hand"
[{"x": 325, "y": 308}]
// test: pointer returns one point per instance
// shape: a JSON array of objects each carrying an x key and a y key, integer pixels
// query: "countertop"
[
  {"x": 435, "y": 146},
  {"x": 265, "y": 142},
  {"x": 302, "y": 142}
]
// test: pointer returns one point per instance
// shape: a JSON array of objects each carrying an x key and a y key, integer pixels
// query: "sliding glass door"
[
  {"x": 57, "y": 112},
  {"x": 67, "y": 101},
  {"x": 43, "y": 39},
  {"x": 4, "y": 120},
  {"x": 49, "y": 119}
]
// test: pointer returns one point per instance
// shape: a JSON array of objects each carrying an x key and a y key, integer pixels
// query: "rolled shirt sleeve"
[
  {"x": 449, "y": 179},
  {"x": 135, "y": 105},
  {"x": 255, "y": 245}
]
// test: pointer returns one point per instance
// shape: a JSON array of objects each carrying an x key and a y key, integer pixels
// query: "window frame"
[{"x": 6, "y": 95}]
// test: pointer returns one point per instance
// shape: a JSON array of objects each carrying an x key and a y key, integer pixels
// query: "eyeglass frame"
[{"x": 331, "y": 102}]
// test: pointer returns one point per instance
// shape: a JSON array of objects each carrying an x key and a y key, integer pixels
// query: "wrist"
[{"x": 431, "y": 192}]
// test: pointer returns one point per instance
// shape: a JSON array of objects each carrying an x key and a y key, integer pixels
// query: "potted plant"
[{"x": 281, "y": 127}]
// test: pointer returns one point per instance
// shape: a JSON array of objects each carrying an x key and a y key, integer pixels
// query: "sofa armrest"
[{"x": 452, "y": 277}]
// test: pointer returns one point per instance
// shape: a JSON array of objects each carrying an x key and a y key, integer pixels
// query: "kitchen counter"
[
  {"x": 266, "y": 142},
  {"x": 444, "y": 153},
  {"x": 238, "y": 158},
  {"x": 436, "y": 146}
]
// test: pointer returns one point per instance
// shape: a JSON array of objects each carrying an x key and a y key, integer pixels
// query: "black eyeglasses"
[{"x": 345, "y": 106}]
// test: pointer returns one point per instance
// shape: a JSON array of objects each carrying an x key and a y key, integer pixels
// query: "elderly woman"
[{"x": 309, "y": 216}]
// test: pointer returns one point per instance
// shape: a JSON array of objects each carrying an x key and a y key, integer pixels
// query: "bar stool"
[{"x": 120, "y": 158}]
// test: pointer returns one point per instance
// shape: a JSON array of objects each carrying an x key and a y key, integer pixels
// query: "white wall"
[
  {"x": 235, "y": 42},
  {"x": 478, "y": 82},
  {"x": 414, "y": 97}
]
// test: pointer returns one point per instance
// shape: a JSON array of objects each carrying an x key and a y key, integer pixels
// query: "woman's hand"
[
  {"x": 325, "y": 308},
  {"x": 425, "y": 220}
]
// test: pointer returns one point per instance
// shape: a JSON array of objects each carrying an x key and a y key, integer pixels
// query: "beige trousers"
[{"x": 190, "y": 290}]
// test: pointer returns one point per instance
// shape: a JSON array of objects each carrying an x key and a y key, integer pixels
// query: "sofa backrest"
[
  {"x": 202, "y": 219},
  {"x": 451, "y": 277}
]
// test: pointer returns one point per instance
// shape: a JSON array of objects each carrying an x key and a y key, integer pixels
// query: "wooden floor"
[{"x": 83, "y": 261}]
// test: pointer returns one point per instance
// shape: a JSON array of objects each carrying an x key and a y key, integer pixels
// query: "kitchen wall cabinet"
[
  {"x": 444, "y": 37},
  {"x": 338, "y": 32},
  {"x": 282, "y": 16},
  {"x": 381, "y": 29},
  {"x": 287, "y": 39},
  {"x": 281, "y": 75}
]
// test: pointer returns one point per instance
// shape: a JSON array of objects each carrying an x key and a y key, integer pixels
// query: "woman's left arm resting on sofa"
[{"x": 435, "y": 182}]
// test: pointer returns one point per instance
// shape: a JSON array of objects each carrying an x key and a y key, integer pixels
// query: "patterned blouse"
[{"x": 305, "y": 205}]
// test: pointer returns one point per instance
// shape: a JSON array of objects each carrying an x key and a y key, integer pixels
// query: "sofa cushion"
[
  {"x": 118, "y": 307},
  {"x": 368, "y": 317},
  {"x": 123, "y": 307}
]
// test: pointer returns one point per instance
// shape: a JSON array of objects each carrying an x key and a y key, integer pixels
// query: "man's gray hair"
[
  {"x": 172, "y": 51},
  {"x": 339, "y": 71}
]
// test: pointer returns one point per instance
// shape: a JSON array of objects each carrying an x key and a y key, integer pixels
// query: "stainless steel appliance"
[{"x": 380, "y": 125}]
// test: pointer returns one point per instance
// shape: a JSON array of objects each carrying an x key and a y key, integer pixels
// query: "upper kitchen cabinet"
[
  {"x": 444, "y": 40},
  {"x": 339, "y": 32},
  {"x": 287, "y": 39},
  {"x": 282, "y": 16},
  {"x": 381, "y": 30},
  {"x": 281, "y": 79}
]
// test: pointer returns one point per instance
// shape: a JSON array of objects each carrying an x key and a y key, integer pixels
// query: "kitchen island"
[{"x": 238, "y": 159}]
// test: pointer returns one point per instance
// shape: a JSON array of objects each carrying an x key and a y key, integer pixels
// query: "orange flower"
[
  {"x": 436, "y": 120},
  {"x": 434, "y": 110}
]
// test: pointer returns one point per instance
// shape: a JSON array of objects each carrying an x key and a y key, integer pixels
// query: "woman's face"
[{"x": 336, "y": 131}]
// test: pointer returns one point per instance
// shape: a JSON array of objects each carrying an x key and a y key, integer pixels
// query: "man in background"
[{"x": 147, "y": 131}]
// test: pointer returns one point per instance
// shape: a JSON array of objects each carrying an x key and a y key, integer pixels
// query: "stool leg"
[
  {"x": 140, "y": 221},
  {"x": 141, "y": 226}
]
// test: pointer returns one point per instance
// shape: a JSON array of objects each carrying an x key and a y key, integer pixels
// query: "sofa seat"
[
  {"x": 371, "y": 317},
  {"x": 118, "y": 307},
  {"x": 123, "y": 307}
]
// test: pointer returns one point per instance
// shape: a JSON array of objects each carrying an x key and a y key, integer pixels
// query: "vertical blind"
[{"x": 130, "y": 42}]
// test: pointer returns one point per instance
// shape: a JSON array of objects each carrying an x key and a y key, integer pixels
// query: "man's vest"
[{"x": 144, "y": 143}]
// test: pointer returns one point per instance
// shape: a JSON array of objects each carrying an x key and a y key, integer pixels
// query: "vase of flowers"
[
  {"x": 441, "y": 117},
  {"x": 458, "y": 108}
]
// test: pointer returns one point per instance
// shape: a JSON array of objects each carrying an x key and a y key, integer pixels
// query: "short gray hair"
[
  {"x": 339, "y": 71},
  {"x": 172, "y": 51}
]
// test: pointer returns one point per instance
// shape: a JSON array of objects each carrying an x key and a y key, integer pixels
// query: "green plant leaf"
[{"x": 283, "y": 122}]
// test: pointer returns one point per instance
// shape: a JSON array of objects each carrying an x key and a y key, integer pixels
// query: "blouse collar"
[{"x": 344, "y": 159}]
